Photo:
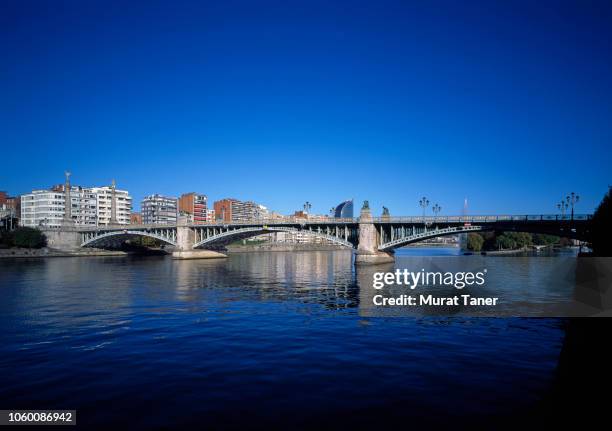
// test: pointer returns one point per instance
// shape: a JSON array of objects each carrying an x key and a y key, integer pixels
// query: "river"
[{"x": 270, "y": 338}]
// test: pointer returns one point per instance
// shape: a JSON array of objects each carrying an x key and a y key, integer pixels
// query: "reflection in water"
[
  {"x": 285, "y": 338},
  {"x": 325, "y": 278}
]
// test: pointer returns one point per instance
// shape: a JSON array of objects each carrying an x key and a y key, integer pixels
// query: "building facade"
[
  {"x": 223, "y": 209},
  {"x": 298, "y": 237},
  {"x": 104, "y": 198},
  {"x": 194, "y": 205},
  {"x": 262, "y": 212},
  {"x": 158, "y": 209},
  {"x": 10, "y": 211},
  {"x": 243, "y": 211},
  {"x": 233, "y": 210},
  {"x": 90, "y": 206},
  {"x": 9, "y": 217},
  {"x": 42, "y": 208},
  {"x": 344, "y": 210}
]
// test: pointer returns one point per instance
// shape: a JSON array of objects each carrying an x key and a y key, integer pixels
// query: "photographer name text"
[{"x": 425, "y": 279}]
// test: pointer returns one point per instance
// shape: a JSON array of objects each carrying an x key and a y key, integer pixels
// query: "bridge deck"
[{"x": 480, "y": 219}]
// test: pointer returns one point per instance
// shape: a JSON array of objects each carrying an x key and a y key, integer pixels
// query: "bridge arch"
[
  {"x": 115, "y": 238},
  {"x": 434, "y": 233},
  {"x": 456, "y": 230},
  {"x": 249, "y": 232}
]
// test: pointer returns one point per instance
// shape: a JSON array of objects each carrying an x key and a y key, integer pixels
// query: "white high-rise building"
[
  {"x": 42, "y": 208},
  {"x": 104, "y": 204},
  {"x": 90, "y": 206}
]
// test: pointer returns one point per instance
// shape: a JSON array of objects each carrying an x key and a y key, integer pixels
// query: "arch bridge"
[{"x": 375, "y": 238}]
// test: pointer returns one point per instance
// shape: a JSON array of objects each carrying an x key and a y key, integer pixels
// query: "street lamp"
[
  {"x": 571, "y": 200},
  {"x": 562, "y": 206},
  {"x": 424, "y": 203},
  {"x": 307, "y": 207},
  {"x": 436, "y": 209}
]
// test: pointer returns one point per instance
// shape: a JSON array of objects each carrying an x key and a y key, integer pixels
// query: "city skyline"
[
  {"x": 505, "y": 104},
  {"x": 431, "y": 206}
]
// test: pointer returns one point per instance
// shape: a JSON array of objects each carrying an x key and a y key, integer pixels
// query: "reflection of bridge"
[{"x": 374, "y": 238}]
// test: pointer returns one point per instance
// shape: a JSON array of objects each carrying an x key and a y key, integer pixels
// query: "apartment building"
[
  {"x": 123, "y": 200},
  {"x": 4, "y": 197},
  {"x": 223, "y": 209},
  {"x": 90, "y": 206},
  {"x": 158, "y": 209},
  {"x": 233, "y": 210},
  {"x": 9, "y": 205},
  {"x": 45, "y": 208},
  {"x": 195, "y": 206}
]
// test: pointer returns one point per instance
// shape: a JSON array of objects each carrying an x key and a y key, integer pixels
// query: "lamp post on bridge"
[
  {"x": 571, "y": 200},
  {"x": 424, "y": 203},
  {"x": 436, "y": 209},
  {"x": 307, "y": 207},
  {"x": 562, "y": 206}
]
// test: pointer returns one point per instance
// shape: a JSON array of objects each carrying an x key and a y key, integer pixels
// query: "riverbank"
[
  {"x": 505, "y": 252},
  {"x": 283, "y": 247},
  {"x": 528, "y": 251},
  {"x": 12, "y": 253},
  {"x": 432, "y": 244}
]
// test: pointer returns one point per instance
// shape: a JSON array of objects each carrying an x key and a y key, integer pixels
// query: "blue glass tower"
[{"x": 344, "y": 210}]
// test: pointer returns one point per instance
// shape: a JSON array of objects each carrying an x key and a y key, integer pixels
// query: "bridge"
[{"x": 374, "y": 238}]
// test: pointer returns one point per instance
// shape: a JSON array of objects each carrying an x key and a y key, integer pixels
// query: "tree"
[
  {"x": 489, "y": 240},
  {"x": 6, "y": 239},
  {"x": 475, "y": 241},
  {"x": 520, "y": 239},
  {"x": 543, "y": 239},
  {"x": 504, "y": 242},
  {"x": 601, "y": 228},
  {"x": 28, "y": 237},
  {"x": 144, "y": 241}
]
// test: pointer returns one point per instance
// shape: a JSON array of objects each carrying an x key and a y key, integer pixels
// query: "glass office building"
[{"x": 344, "y": 210}]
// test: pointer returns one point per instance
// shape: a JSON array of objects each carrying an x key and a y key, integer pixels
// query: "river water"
[{"x": 270, "y": 338}]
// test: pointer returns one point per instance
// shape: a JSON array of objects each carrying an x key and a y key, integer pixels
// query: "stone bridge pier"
[
  {"x": 185, "y": 239},
  {"x": 367, "y": 250},
  {"x": 66, "y": 239}
]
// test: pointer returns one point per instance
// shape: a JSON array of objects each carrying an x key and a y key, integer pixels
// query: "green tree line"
[
  {"x": 600, "y": 235},
  {"x": 24, "y": 237},
  {"x": 488, "y": 241}
]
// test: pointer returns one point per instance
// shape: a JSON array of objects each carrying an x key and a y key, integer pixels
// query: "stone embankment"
[
  {"x": 283, "y": 247},
  {"x": 9, "y": 253}
]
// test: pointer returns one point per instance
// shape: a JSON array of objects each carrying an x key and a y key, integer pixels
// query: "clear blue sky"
[{"x": 507, "y": 103}]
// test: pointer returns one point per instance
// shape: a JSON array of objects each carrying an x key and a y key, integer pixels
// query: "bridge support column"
[
  {"x": 367, "y": 251},
  {"x": 64, "y": 239},
  {"x": 185, "y": 239}
]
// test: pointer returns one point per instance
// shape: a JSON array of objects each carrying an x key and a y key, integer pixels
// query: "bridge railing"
[
  {"x": 481, "y": 218},
  {"x": 331, "y": 220},
  {"x": 284, "y": 220}
]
